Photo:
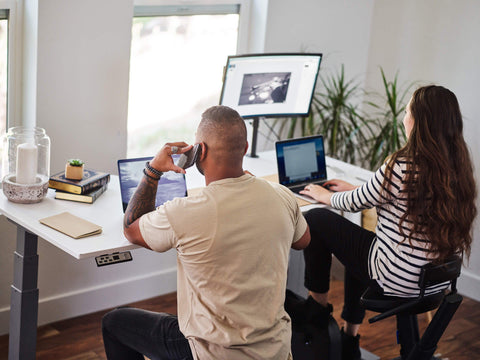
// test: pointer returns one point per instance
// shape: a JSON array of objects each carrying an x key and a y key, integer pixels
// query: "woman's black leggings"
[{"x": 350, "y": 243}]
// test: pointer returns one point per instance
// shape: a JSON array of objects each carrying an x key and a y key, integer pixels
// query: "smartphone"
[{"x": 190, "y": 157}]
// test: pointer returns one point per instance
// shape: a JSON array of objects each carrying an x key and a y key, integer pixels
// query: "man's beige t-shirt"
[{"x": 232, "y": 241}]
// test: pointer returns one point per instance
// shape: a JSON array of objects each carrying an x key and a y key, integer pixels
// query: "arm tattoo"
[{"x": 142, "y": 201}]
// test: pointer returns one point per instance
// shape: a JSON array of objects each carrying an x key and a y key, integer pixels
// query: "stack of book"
[{"x": 93, "y": 184}]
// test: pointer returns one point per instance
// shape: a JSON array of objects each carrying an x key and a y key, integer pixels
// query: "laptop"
[
  {"x": 301, "y": 162},
  {"x": 130, "y": 172}
]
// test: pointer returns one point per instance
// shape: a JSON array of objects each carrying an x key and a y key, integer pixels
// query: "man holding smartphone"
[{"x": 232, "y": 242}]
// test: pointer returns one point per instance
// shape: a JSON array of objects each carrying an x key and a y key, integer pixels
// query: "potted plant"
[
  {"x": 74, "y": 169},
  {"x": 334, "y": 114},
  {"x": 340, "y": 120}
]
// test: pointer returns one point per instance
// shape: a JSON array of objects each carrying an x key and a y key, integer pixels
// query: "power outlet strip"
[{"x": 114, "y": 258}]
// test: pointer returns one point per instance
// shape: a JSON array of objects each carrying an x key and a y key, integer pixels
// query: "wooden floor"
[{"x": 80, "y": 338}]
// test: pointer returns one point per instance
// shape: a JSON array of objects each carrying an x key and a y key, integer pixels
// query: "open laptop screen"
[
  {"x": 130, "y": 172},
  {"x": 301, "y": 160}
]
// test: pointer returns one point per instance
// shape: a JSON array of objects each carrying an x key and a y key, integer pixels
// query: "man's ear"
[
  {"x": 203, "y": 154},
  {"x": 246, "y": 149}
]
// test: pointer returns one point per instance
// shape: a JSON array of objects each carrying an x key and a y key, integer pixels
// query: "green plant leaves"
[
  {"x": 388, "y": 110},
  {"x": 75, "y": 162}
]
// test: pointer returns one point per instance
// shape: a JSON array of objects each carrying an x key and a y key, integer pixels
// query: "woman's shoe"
[
  {"x": 307, "y": 311},
  {"x": 317, "y": 314},
  {"x": 350, "y": 346}
]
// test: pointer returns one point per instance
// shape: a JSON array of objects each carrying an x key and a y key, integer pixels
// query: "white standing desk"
[{"x": 106, "y": 212}]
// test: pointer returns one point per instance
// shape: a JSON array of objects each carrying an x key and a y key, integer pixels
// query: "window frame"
[
  {"x": 182, "y": 7},
  {"x": 13, "y": 118}
]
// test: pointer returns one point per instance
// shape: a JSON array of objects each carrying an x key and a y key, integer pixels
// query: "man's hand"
[
  {"x": 143, "y": 200},
  {"x": 163, "y": 160}
]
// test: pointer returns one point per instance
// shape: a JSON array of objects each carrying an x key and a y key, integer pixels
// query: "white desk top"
[
  {"x": 107, "y": 209},
  {"x": 106, "y": 212}
]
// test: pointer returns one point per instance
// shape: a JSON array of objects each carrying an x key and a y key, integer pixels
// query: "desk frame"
[{"x": 24, "y": 298}]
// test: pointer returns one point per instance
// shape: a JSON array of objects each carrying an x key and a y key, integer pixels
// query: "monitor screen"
[{"x": 264, "y": 85}]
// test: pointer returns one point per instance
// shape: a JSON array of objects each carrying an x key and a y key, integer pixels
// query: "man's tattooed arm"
[{"x": 142, "y": 201}]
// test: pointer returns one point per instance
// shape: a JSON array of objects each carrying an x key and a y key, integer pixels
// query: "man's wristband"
[
  {"x": 150, "y": 176},
  {"x": 152, "y": 170}
]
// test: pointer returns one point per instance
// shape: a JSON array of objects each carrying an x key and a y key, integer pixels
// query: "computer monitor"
[{"x": 270, "y": 85}]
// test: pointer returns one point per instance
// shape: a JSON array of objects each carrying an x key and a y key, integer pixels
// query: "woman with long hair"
[{"x": 424, "y": 195}]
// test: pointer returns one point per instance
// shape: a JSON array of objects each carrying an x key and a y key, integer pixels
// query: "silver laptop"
[
  {"x": 130, "y": 172},
  {"x": 300, "y": 162}
]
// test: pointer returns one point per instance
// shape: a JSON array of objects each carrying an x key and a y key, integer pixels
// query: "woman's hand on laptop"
[
  {"x": 163, "y": 161},
  {"x": 323, "y": 193},
  {"x": 338, "y": 185},
  {"x": 318, "y": 193}
]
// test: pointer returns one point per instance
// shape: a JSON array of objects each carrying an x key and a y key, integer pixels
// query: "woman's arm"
[{"x": 353, "y": 198}]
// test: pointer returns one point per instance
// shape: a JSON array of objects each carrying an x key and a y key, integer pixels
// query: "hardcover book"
[
  {"x": 92, "y": 179},
  {"x": 88, "y": 198}
]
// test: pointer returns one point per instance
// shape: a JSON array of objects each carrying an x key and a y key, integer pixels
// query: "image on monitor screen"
[
  {"x": 264, "y": 88},
  {"x": 269, "y": 85}
]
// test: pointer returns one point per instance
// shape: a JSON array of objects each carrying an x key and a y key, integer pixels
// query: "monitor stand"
[{"x": 253, "y": 145}]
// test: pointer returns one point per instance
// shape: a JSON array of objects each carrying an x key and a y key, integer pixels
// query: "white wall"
[
  {"x": 82, "y": 79},
  {"x": 340, "y": 29},
  {"x": 434, "y": 41}
]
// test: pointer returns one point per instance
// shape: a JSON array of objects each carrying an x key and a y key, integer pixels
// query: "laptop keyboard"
[{"x": 297, "y": 189}]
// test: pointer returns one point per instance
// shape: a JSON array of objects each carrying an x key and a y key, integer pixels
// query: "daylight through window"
[{"x": 176, "y": 72}]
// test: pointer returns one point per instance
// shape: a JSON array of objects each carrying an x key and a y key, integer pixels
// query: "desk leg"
[{"x": 24, "y": 298}]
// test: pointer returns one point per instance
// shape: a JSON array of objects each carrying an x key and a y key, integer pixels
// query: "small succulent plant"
[{"x": 75, "y": 162}]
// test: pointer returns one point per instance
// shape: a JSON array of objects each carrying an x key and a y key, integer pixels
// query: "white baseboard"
[
  {"x": 85, "y": 301},
  {"x": 469, "y": 285}
]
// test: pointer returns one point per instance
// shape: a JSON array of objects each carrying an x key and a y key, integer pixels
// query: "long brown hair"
[{"x": 439, "y": 181}]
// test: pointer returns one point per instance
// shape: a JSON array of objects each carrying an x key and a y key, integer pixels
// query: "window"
[
  {"x": 176, "y": 70},
  {"x": 3, "y": 68}
]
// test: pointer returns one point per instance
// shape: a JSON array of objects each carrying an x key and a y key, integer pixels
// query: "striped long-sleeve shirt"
[{"x": 394, "y": 261}]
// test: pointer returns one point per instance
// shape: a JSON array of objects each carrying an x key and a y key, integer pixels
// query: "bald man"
[{"x": 232, "y": 242}]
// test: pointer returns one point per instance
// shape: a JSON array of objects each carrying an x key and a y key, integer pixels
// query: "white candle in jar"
[{"x": 27, "y": 163}]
